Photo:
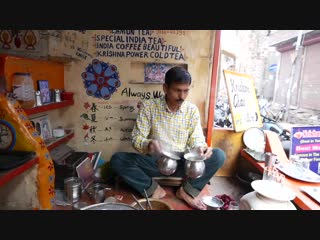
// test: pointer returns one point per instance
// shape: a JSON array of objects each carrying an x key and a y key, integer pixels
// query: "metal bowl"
[
  {"x": 194, "y": 165},
  {"x": 212, "y": 203},
  {"x": 156, "y": 204}
]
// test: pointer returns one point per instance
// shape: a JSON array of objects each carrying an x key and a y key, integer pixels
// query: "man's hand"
[
  {"x": 205, "y": 152},
  {"x": 154, "y": 147}
]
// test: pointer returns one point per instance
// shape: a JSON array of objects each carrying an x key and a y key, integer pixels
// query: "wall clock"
[{"x": 7, "y": 135}]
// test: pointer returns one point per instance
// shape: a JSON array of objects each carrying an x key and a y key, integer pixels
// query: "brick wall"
[{"x": 252, "y": 52}]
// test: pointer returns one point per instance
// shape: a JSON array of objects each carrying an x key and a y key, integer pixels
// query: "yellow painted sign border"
[{"x": 243, "y": 101}]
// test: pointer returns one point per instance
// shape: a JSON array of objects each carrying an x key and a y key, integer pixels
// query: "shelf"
[
  {"x": 6, "y": 176},
  {"x": 58, "y": 141},
  {"x": 48, "y": 107},
  {"x": 137, "y": 82}
]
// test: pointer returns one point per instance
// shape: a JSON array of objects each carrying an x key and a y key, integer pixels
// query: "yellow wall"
[
  {"x": 231, "y": 143},
  {"x": 194, "y": 48}
]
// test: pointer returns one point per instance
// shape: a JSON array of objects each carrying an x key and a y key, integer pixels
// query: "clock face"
[{"x": 7, "y": 135}]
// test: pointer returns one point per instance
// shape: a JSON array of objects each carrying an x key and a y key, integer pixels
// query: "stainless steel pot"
[
  {"x": 167, "y": 163},
  {"x": 194, "y": 165}
]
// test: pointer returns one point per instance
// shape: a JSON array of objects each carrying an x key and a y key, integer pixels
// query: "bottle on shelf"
[{"x": 23, "y": 89}]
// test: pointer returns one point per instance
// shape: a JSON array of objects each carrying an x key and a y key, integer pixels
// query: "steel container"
[
  {"x": 194, "y": 165},
  {"x": 72, "y": 189}
]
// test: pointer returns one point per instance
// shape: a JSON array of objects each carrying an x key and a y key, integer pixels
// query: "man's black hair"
[{"x": 177, "y": 74}]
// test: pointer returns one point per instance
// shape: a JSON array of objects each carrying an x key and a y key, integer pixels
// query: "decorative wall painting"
[{"x": 155, "y": 72}]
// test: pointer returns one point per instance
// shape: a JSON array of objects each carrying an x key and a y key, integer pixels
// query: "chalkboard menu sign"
[{"x": 242, "y": 100}]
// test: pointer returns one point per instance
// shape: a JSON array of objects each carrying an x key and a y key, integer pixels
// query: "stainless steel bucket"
[{"x": 72, "y": 189}]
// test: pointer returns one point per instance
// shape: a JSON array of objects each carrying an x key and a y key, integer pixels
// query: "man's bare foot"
[
  {"x": 193, "y": 202},
  {"x": 159, "y": 192}
]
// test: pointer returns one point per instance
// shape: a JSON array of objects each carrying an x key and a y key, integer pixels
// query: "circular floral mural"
[{"x": 101, "y": 79}]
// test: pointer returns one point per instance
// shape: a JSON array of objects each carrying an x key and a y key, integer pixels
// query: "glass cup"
[
  {"x": 233, "y": 205},
  {"x": 279, "y": 178},
  {"x": 273, "y": 174},
  {"x": 269, "y": 173}
]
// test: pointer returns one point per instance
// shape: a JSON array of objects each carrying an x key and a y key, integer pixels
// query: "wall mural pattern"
[
  {"x": 101, "y": 79},
  {"x": 24, "y": 43},
  {"x": 18, "y": 39}
]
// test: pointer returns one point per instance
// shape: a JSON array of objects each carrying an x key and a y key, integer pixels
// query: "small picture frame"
[
  {"x": 85, "y": 172},
  {"x": 43, "y": 127},
  {"x": 36, "y": 125},
  {"x": 43, "y": 87},
  {"x": 155, "y": 72}
]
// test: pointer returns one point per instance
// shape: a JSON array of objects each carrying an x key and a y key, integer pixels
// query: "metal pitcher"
[
  {"x": 167, "y": 163},
  {"x": 194, "y": 165}
]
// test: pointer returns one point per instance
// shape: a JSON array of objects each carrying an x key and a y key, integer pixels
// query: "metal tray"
[
  {"x": 313, "y": 192},
  {"x": 109, "y": 206},
  {"x": 292, "y": 171},
  {"x": 258, "y": 156}
]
